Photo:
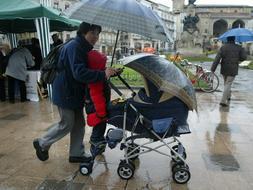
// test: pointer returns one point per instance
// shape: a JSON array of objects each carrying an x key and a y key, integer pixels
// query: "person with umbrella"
[
  {"x": 68, "y": 93},
  {"x": 229, "y": 56}
]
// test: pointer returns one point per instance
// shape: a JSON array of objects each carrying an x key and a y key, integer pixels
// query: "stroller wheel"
[
  {"x": 176, "y": 158},
  {"x": 179, "y": 165},
  {"x": 126, "y": 170},
  {"x": 86, "y": 168},
  {"x": 181, "y": 174},
  {"x": 130, "y": 148},
  {"x": 131, "y": 162}
]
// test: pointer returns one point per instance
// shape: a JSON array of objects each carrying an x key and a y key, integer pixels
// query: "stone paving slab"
[{"x": 219, "y": 150}]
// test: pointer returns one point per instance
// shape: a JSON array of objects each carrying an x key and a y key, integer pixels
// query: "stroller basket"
[{"x": 162, "y": 126}]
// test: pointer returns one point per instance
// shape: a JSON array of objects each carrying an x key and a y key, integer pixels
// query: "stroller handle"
[
  {"x": 115, "y": 89},
  {"x": 127, "y": 85}
]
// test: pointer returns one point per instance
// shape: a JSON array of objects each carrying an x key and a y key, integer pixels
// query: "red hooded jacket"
[{"x": 97, "y": 61}]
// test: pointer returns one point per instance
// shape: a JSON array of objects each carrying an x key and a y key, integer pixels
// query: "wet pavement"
[{"x": 219, "y": 149}]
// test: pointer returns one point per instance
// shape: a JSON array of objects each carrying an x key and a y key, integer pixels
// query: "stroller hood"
[{"x": 164, "y": 75}]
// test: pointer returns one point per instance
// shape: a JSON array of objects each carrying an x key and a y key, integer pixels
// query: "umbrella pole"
[{"x": 115, "y": 45}]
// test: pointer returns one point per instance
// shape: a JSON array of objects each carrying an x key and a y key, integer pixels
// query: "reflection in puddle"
[
  {"x": 220, "y": 157},
  {"x": 221, "y": 162},
  {"x": 225, "y": 129}
]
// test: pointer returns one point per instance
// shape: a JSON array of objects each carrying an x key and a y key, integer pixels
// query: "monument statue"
[
  {"x": 190, "y": 41},
  {"x": 190, "y": 23}
]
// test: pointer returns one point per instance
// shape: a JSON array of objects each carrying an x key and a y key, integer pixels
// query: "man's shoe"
[
  {"x": 223, "y": 105},
  {"x": 80, "y": 159},
  {"x": 41, "y": 154}
]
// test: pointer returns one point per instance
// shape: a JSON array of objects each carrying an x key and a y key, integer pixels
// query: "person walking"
[
  {"x": 69, "y": 91},
  {"x": 229, "y": 57},
  {"x": 16, "y": 71}
]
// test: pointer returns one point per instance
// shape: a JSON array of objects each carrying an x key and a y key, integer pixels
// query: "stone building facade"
[{"x": 214, "y": 20}]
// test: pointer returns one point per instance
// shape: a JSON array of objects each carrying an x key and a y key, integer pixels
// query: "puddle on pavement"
[
  {"x": 227, "y": 128},
  {"x": 226, "y": 162},
  {"x": 60, "y": 185},
  {"x": 223, "y": 127},
  {"x": 14, "y": 116}
]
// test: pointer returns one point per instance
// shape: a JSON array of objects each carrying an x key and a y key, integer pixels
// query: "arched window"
[
  {"x": 219, "y": 27},
  {"x": 238, "y": 24}
]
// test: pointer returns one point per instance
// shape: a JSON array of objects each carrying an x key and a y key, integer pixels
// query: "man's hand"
[{"x": 110, "y": 72}]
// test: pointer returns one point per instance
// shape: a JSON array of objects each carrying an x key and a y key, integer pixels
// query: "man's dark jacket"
[
  {"x": 68, "y": 86},
  {"x": 229, "y": 57}
]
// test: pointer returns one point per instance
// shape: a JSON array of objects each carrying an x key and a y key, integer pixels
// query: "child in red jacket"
[{"x": 97, "y": 97}]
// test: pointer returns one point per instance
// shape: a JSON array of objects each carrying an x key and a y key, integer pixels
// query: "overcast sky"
[{"x": 205, "y": 2}]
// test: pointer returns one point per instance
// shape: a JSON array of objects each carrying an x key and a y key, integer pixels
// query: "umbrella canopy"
[
  {"x": 128, "y": 16},
  {"x": 17, "y": 16},
  {"x": 164, "y": 75},
  {"x": 241, "y": 35}
]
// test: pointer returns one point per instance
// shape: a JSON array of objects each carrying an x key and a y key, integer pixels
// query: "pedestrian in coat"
[
  {"x": 68, "y": 93},
  {"x": 229, "y": 56},
  {"x": 16, "y": 71}
]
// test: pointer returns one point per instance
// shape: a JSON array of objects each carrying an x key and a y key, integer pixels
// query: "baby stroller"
[{"x": 153, "y": 114}]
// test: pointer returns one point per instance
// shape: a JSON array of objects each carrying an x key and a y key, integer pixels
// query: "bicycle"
[{"x": 204, "y": 79}]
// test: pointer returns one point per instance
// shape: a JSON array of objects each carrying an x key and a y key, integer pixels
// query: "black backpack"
[{"x": 49, "y": 67}]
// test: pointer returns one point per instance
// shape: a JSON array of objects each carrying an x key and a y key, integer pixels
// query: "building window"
[
  {"x": 66, "y": 6},
  {"x": 56, "y": 5}
]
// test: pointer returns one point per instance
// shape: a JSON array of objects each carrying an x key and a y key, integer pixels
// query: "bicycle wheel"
[{"x": 208, "y": 82}]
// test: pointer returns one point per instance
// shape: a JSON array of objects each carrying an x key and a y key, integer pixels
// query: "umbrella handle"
[{"x": 115, "y": 45}]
